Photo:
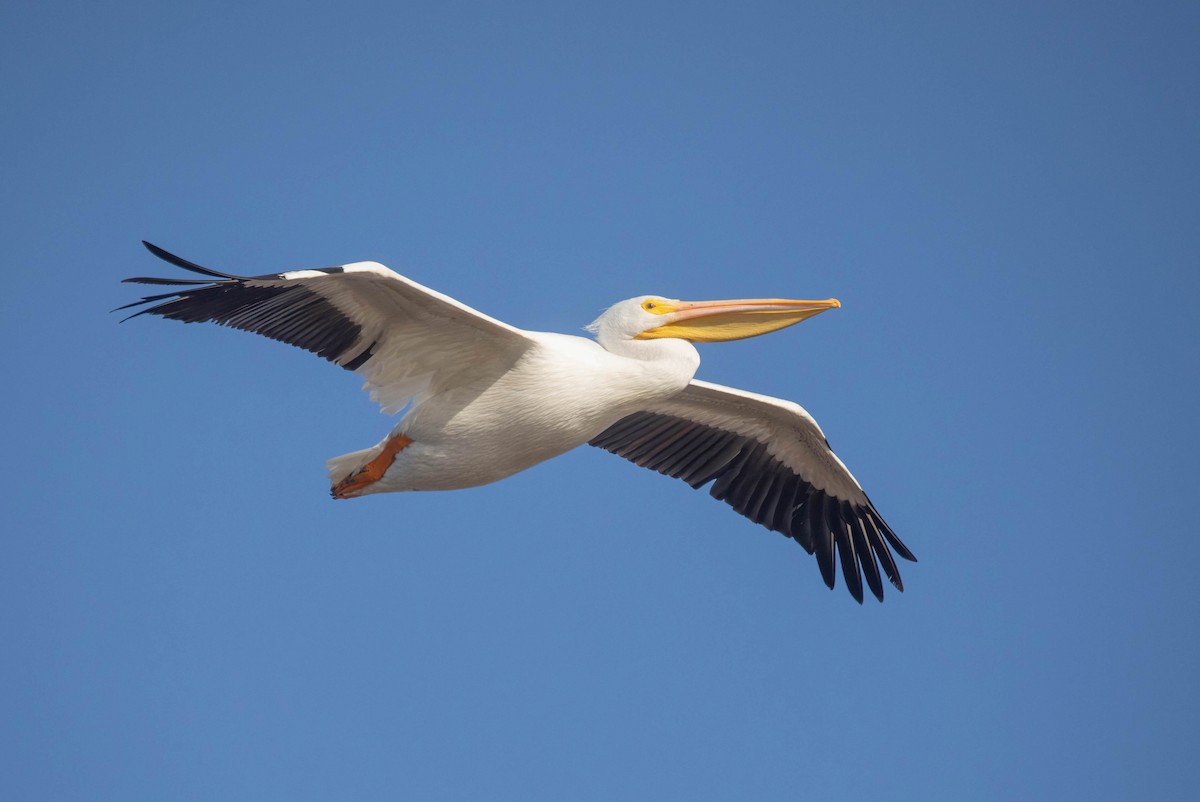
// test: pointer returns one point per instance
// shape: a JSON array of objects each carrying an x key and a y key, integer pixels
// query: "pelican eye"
[{"x": 648, "y": 305}]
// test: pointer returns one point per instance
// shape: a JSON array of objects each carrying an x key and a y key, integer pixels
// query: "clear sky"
[{"x": 1004, "y": 196}]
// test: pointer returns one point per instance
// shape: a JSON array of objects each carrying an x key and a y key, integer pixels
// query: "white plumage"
[{"x": 485, "y": 400}]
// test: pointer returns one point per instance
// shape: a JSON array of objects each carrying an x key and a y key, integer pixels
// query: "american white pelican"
[{"x": 486, "y": 400}]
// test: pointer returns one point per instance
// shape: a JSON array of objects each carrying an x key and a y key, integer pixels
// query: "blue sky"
[{"x": 1005, "y": 199}]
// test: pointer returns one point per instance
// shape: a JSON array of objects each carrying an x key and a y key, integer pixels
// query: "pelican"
[{"x": 485, "y": 400}]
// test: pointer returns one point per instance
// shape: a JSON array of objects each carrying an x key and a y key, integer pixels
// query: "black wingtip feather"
[
  {"x": 169, "y": 282},
  {"x": 179, "y": 261},
  {"x": 866, "y": 555},
  {"x": 881, "y": 550},
  {"x": 900, "y": 548},
  {"x": 822, "y": 538},
  {"x": 845, "y": 548}
]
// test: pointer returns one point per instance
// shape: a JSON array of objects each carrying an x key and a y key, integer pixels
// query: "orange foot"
[{"x": 373, "y": 471}]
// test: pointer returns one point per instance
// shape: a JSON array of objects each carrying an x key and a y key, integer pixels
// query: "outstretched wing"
[
  {"x": 768, "y": 459},
  {"x": 403, "y": 338}
]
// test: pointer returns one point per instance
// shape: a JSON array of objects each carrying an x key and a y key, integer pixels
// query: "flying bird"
[{"x": 485, "y": 400}]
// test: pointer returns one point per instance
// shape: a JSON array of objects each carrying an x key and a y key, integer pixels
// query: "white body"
[{"x": 561, "y": 392}]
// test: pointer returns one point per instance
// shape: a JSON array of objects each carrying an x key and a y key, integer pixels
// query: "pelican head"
[{"x": 651, "y": 317}]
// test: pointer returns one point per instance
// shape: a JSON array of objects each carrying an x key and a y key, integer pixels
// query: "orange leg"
[{"x": 373, "y": 471}]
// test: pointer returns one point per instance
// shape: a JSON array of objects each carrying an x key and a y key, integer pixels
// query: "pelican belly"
[{"x": 563, "y": 392}]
